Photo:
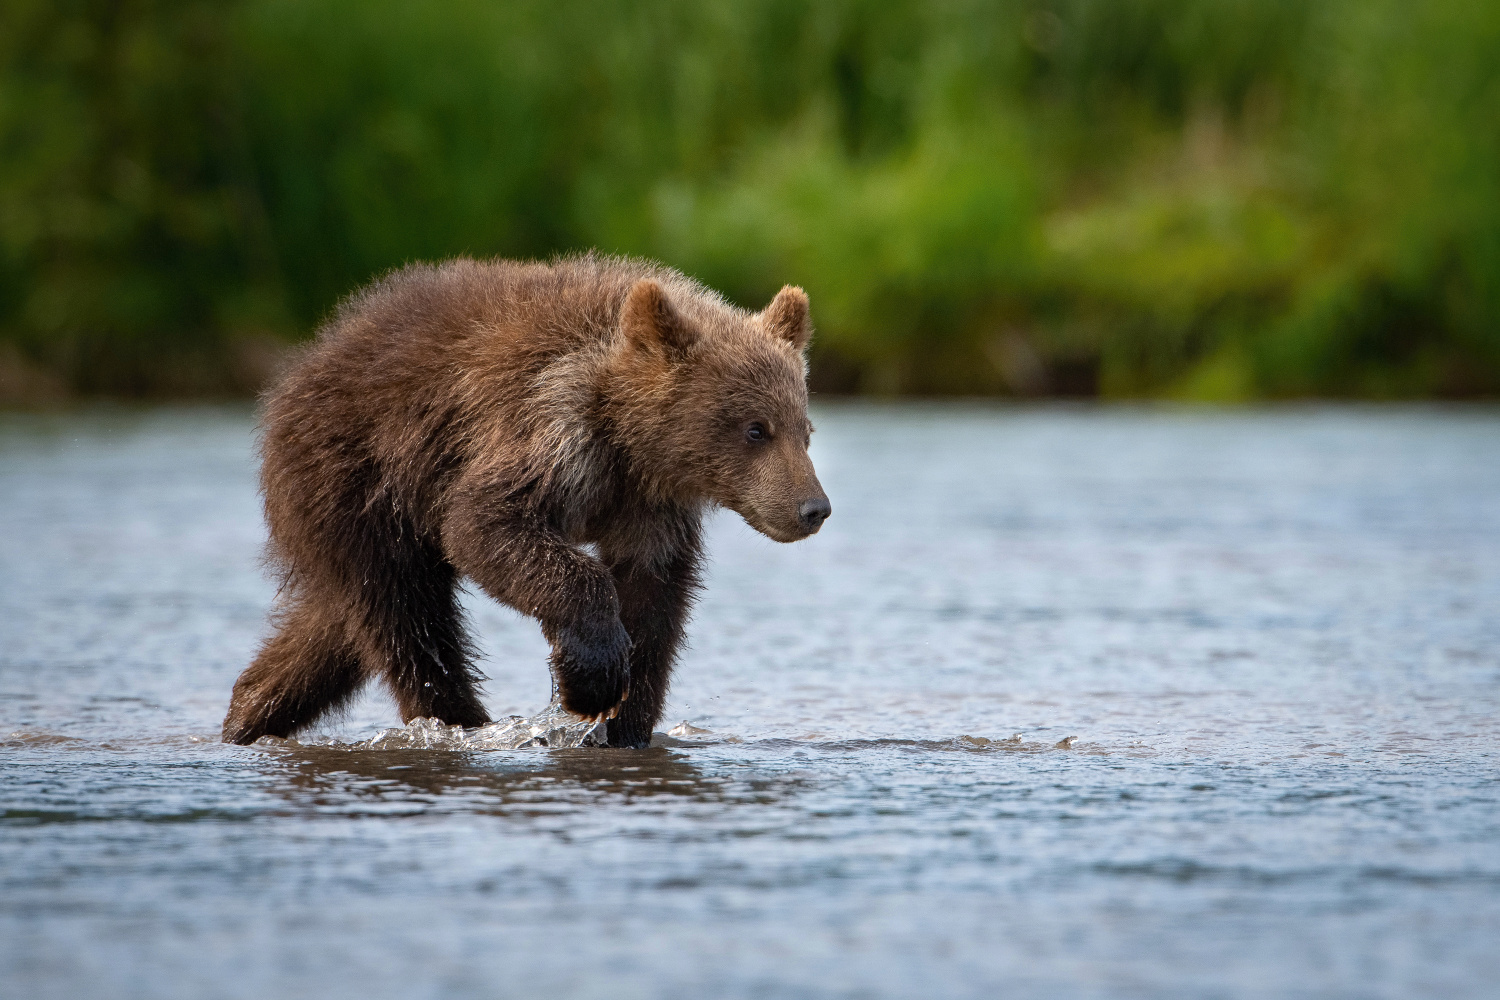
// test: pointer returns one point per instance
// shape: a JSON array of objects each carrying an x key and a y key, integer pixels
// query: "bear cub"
[{"x": 555, "y": 433}]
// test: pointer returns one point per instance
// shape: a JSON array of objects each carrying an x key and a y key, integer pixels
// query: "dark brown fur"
[{"x": 489, "y": 420}]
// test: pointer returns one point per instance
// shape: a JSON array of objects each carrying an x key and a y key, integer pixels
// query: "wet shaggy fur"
[{"x": 553, "y": 432}]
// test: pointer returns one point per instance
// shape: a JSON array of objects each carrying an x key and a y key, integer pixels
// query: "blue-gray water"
[{"x": 1273, "y": 634}]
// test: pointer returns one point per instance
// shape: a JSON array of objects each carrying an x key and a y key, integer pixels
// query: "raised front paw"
[{"x": 592, "y": 665}]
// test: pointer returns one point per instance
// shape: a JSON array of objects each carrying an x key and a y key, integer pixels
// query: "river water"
[{"x": 1061, "y": 703}]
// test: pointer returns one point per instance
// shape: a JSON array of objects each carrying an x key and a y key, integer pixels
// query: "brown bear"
[{"x": 554, "y": 432}]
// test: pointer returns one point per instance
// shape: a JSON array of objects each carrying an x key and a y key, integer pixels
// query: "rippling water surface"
[{"x": 1087, "y": 703}]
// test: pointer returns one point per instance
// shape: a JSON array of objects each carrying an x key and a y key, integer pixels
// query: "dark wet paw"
[
  {"x": 236, "y": 731},
  {"x": 252, "y": 715},
  {"x": 627, "y": 733},
  {"x": 592, "y": 665}
]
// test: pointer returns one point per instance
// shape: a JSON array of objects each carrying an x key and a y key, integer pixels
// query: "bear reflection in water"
[{"x": 358, "y": 780}]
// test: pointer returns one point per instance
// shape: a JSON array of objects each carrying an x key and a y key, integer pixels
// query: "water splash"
[
  {"x": 553, "y": 728},
  {"x": 686, "y": 730}
]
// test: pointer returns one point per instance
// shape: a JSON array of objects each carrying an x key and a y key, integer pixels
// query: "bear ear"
[
  {"x": 786, "y": 317},
  {"x": 650, "y": 322}
]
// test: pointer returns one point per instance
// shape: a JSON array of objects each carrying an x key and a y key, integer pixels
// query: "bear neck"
[{"x": 636, "y": 406}]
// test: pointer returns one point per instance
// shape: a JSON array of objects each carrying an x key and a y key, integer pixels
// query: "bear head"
[{"x": 718, "y": 403}]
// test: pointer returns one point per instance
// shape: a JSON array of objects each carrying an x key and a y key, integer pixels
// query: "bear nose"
[{"x": 814, "y": 512}]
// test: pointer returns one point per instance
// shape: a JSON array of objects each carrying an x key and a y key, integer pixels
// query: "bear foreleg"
[
  {"x": 520, "y": 561},
  {"x": 654, "y": 606}
]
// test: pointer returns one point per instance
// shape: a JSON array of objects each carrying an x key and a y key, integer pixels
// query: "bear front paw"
[{"x": 592, "y": 665}]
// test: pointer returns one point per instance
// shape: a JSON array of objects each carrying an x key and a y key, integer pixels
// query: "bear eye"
[{"x": 757, "y": 432}]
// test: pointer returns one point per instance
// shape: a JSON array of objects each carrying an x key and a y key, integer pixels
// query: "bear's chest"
[{"x": 626, "y": 527}]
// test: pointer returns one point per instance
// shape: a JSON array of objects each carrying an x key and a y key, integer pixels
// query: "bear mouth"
[{"x": 777, "y": 533}]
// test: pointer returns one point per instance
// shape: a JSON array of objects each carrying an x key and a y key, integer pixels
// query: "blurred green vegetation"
[{"x": 1198, "y": 199}]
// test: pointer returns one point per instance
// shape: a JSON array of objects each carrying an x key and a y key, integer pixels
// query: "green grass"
[{"x": 1212, "y": 200}]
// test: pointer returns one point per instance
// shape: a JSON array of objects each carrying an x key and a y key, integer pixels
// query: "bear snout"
[{"x": 812, "y": 513}]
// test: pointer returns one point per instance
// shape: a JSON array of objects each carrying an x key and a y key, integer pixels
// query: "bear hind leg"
[
  {"x": 305, "y": 670},
  {"x": 413, "y": 635}
]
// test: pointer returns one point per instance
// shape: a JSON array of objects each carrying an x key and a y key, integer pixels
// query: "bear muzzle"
[
  {"x": 792, "y": 525},
  {"x": 812, "y": 513}
]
